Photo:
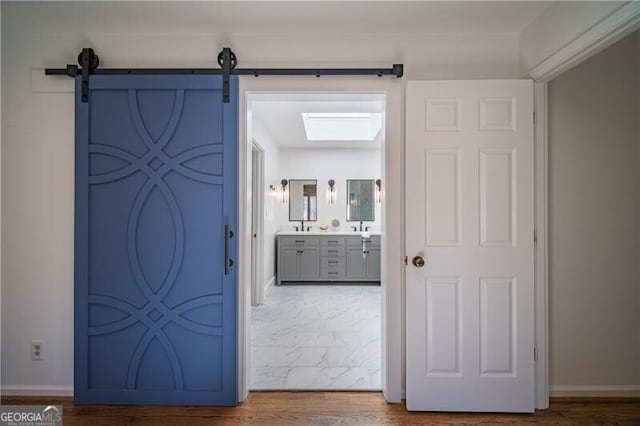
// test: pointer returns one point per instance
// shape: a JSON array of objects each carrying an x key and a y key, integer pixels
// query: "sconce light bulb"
[
  {"x": 331, "y": 192},
  {"x": 283, "y": 191}
]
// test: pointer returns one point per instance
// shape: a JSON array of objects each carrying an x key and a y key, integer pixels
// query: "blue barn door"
[{"x": 155, "y": 208}]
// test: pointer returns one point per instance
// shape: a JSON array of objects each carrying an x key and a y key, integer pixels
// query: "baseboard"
[
  {"x": 595, "y": 391},
  {"x": 270, "y": 284},
  {"x": 22, "y": 390}
]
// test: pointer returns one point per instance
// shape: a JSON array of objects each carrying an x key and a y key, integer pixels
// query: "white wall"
[
  {"x": 594, "y": 219},
  {"x": 322, "y": 165},
  {"x": 638, "y": 168},
  {"x": 273, "y": 209},
  {"x": 37, "y": 131},
  {"x": 558, "y": 25},
  {"x": 0, "y": 194}
]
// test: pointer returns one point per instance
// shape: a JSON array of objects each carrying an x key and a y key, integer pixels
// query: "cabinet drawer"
[
  {"x": 331, "y": 267},
  {"x": 373, "y": 241},
  {"x": 332, "y": 251},
  {"x": 332, "y": 242},
  {"x": 332, "y": 273},
  {"x": 296, "y": 241},
  {"x": 332, "y": 263}
]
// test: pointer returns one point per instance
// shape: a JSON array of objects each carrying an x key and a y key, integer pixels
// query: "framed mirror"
[
  {"x": 360, "y": 200},
  {"x": 303, "y": 200}
]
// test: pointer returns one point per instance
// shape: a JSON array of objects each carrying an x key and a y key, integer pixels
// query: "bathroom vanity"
[
  {"x": 307, "y": 256},
  {"x": 327, "y": 257}
]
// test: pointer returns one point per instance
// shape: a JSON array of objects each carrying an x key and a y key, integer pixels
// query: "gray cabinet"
[
  {"x": 288, "y": 262},
  {"x": 298, "y": 258},
  {"x": 327, "y": 258},
  {"x": 373, "y": 263},
  {"x": 332, "y": 265},
  {"x": 309, "y": 264},
  {"x": 356, "y": 268},
  {"x": 363, "y": 258}
]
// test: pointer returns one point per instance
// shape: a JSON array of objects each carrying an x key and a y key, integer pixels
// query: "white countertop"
[{"x": 329, "y": 233}]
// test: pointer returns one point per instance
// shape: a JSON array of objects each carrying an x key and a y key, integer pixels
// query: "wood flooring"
[{"x": 328, "y": 408}]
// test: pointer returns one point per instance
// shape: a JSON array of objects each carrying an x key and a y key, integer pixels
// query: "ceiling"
[
  {"x": 205, "y": 17},
  {"x": 281, "y": 116}
]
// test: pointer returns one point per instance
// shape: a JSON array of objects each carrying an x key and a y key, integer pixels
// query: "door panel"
[
  {"x": 443, "y": 327},
  {"x": 373, "y": 264},
  {"x": 156, "y": 184},
  {"x": 442, "y": 213},
  {"x": 289, "y": 262},
  {"x": 356, "y": 265},
  {"x": 497, "y": 339},
  {"x": 310, "y": 262},
  {"x": 497, "y": 208},
  {"x": 469, "y": 170}
]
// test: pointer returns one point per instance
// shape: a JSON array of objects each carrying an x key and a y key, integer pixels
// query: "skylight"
[{"x": 342, "y": 126}]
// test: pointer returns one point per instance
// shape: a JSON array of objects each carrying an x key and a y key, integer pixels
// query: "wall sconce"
[
  {"x": 378, "y": 191},
  {"x": 284, "y": 192},
  {"x": 331, "y": 192}
]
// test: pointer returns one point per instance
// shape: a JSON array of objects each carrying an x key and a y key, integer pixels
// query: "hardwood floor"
[{"x": 326, "y": 408}]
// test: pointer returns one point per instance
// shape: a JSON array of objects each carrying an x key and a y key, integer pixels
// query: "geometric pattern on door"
[{"x": 155, "y": 314}]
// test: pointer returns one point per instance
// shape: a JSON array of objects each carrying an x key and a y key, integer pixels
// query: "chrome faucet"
[{"x": 302, "y": 225}]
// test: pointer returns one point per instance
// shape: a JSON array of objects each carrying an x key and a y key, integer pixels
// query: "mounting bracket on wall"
[{"x": 89, "y": 62}]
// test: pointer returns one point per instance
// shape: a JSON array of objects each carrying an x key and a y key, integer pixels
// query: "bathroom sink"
[{"x": 365, "y": 234}]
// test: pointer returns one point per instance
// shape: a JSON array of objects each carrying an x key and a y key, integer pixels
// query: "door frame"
[
  {"x": 257, "y": 224},
  {"x": 620, "y": 23},
  {"x": 392, "y": 275}
]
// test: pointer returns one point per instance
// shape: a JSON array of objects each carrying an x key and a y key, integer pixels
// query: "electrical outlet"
[{"x": 37, "y": 349}]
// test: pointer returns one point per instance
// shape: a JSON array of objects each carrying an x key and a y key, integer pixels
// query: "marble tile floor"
[{"x": 320, "y": 337}]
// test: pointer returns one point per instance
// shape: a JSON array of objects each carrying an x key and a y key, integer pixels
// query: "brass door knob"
[{"x": 418, "y": 261}]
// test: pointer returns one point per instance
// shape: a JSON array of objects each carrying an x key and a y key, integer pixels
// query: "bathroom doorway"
[{"x": 318, "y": 325}]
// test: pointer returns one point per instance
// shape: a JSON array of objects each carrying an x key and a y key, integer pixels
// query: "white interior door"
[{"x": 470, "y": 216}]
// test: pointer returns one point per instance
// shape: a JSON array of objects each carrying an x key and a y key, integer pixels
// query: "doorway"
[
  {"x": 320, "y": 329},
  {"x": 392, "y": 255}
]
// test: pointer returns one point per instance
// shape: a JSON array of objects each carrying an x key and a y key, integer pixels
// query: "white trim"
[
  {"x": 1, "y": 197},
  {"x": 36, "y": 390},
  {"x": 541, "y": 249},
  {"x": 270, "y": 284},
  {"x": 392, "y": 218},
  {"x": 257, "y": 223},
  {"x": 595, "y": 391},
  {"x": 621, "y": 22}
]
